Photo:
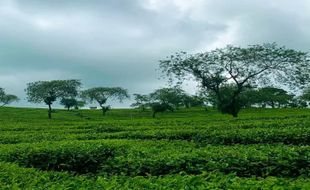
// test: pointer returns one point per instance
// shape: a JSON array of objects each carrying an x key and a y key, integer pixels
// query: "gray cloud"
[{"x": 119, "y": 42}]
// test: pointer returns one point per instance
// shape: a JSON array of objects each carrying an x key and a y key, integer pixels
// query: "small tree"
[
  {"x": 49, "y": 91},
  {"x": 171, "y": 96},
  {"x": 68, "y": 102},
  {"x": 102, "y": 94},
  {"x": 192, "y": 101},
  {"x": 273, "y": 97},
  {"x": 160, "y": 107},
  {"x": 6, "y": 99},
  {"x": 142, "y": 101},
  {"x": 256, "y": 65},
  {"x": 79, "y": 104}
]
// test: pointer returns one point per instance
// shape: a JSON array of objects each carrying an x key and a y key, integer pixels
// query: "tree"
[
  {"x": 227, "y": 92},
  {"x": 160, "y": 107},
  {"x": 273, "y": 96},
  {"x": 102, "y": 94},
  {"x": 79, "y": 104},
  {"x": 192, "y": 101},
  {"x": 256, "y": 65},
  {"x": 171, "y": 96},
  {"x": 142, "y": 101},
  {"x": 298, "y": 102},
  {"x": 49, "y": 91},
  {"x": 69, "y": 102},
  {"x": 6, "y": 99}
]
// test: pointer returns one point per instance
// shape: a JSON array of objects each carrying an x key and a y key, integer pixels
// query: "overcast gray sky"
[{"x": 119, "y": 42}]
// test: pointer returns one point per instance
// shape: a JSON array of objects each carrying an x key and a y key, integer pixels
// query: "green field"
[{"x": 127, "y": 149}]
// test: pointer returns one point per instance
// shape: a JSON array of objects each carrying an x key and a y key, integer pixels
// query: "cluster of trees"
[
  {"x": 69, "y": 94},
  {"x": 262, "y": 97},
  {"x": 227, "y": 73},
  {"x": 173, "y": 98},
  {"x": 229, "y": 78},
  {"x": 166, "y": 99}
]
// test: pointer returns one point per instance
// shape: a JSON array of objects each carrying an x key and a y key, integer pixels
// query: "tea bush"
[{"x": 127, "y": 149}]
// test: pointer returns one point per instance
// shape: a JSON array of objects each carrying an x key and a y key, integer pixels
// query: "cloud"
[{"x": 119, "y": 42}]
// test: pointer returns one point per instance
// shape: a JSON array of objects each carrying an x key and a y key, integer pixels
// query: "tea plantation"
[{"x": 127, "y": 149}]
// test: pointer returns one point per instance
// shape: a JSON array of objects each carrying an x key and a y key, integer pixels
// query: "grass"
[{"x": 127, "y": 149}]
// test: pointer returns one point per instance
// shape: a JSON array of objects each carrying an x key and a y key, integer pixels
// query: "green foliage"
[
  {"x": 49, "y": 91},
  {"x": 306, "y": 95},
  {"x": 14, "y": 177},
  {"x": 192, "y": 101},
  {"x": 273, "y": 97},
  {"x": 79, "y": 104},
  {"x": 102, "y": 94},
  {"x": 189, "y": 149},
  {"x": 69, "y": 102},
  {"x": 160, "y": 107},
  {"x": 169, "y": 96},
  {"x": 6, "y": 99},
  {"x": 223, "y": 101},
  {"x": 142, "y": 101},
  {"x": 166, "y": 99},
  {"x": 266, "y": 64}
]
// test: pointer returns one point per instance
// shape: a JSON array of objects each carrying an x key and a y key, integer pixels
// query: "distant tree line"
[
  {"x": 166, "y": 99},
  {"x": 175, "y": 98},
  {"x": 230, "y": 79}
]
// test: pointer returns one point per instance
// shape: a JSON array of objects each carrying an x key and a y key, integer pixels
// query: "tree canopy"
[
  {"x": 141, "y": 101},
  {"x": 273, "y": 97},
  {"x": 255, "y": 65},
  {"x": 171, "y": 96},
  {"x": 102, "y": 94},
  {"x": 68, "y": 102},
  {"x": 6, "y": 99},
  {"x": 49, "y": 91}
]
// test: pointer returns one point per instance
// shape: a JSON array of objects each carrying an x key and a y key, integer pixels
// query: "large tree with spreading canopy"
[
  {"x": 242, "y": 67},
  {"x": 49, "y": 91}
]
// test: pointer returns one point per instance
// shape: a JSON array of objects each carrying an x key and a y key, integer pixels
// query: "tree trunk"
[
  {"x": 233, "y": 108},
  {"x": 154, "y": 114},
  {"x": 103, "y": 111},
  {"x": 49, "y": 111}
]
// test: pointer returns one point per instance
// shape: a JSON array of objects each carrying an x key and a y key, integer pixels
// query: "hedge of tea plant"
[{"x": 127, "y": 149}]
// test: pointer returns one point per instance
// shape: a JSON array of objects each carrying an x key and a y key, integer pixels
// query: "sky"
[{"x": 120, "y": 42}]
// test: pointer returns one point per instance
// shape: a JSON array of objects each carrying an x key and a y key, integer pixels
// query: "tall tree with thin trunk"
[
  {"x": 102, "y": 94},
  {"x": 49, "y": 91},
  {"x": 255, "y": 65}
]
